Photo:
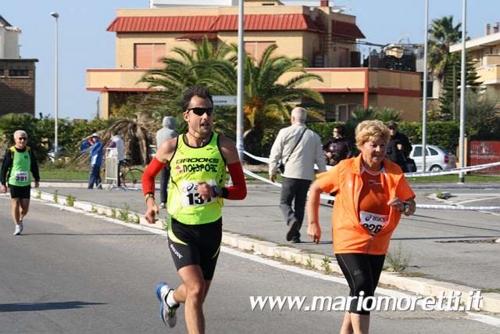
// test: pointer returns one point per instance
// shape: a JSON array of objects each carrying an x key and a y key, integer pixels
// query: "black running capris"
[{"x": 362, "y": 272}]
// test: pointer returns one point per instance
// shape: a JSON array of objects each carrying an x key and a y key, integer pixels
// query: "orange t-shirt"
[
  {"x": 373, "y": 208},
  {"x": 352, "y": 195}
]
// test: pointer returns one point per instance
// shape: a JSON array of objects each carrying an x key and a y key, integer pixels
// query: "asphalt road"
[
  {"x": 72, "y": 273},
  {"x": 445, "y": 245}
]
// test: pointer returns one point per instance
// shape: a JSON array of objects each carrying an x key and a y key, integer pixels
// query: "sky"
[{"x": 84, "y": 42}]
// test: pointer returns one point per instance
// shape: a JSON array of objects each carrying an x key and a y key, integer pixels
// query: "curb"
[
  {"x": 314, "y": 261},
  {"x": 417, "y": 285}
]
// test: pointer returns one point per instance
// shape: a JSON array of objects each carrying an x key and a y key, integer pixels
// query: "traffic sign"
[{"x": 224, "y": 100}]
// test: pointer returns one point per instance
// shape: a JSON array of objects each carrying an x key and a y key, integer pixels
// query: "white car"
[
  {"x": 60, "y": 149},
  {"x": 436, "y": 159}
]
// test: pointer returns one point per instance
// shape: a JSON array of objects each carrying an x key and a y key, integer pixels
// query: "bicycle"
[{"x": 130, "y": 176}]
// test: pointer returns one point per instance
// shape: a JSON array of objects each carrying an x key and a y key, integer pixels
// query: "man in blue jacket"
[{"x": 96, "y": 152}]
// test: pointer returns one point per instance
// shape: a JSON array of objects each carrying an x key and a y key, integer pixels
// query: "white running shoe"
[
  {"x": 167, "y": 314},
  {"x": 18, "y": 230}
]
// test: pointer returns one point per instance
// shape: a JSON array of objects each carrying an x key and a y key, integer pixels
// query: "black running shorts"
[
  {"x": 195, "y": 245},
  {"x": 20, "y": 192}
]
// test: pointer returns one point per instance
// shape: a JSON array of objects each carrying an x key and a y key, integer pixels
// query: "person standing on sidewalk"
[
  {"x": 165, "y": 133},
  {"x": 117, "y": 142},
  {"x": 399, "y": 147},
  {"x": 372, "y": 193},
  {"x": 197, "y": 190},
  {"x": 337, "y": 148},
  {"x": 96, "y": 153},
  {"x": 18, "y": 165},
  {"x": 299, "y": 148}
]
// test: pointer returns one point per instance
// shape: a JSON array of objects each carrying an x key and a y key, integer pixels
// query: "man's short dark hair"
[{"x": 196, "y": 90}]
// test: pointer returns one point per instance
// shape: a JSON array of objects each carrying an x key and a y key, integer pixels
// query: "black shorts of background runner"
[
  {"x": 20, "y": 192},
  {"x": 362, "y": 272},
  {"x": 195, "y": 245}
]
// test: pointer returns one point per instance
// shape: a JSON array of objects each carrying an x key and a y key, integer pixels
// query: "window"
[
  {"x": 256, "y": 49},
  {"x": 344, "y": 111},
  {"x": 417, "y": 151},
  {"x": 148, "y": 55},
  {"x": 2, "y": 72},
  {"x": 18, "y": 73}
]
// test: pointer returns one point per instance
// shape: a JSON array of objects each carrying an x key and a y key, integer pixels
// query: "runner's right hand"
[{"x": 151, "y": 213}]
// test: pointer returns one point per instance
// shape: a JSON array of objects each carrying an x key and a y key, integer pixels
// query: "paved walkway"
[{"x": 446, "y": 249}]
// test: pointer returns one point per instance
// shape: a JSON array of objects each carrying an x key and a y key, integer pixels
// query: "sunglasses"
[
  {"x": 200, "y": 111},
  {"x": 22, "y": 138},
  {"x": 392, "y": 128}
]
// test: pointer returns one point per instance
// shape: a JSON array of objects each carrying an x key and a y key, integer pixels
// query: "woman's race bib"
[
  {"x": 373, "y": 222},
  {"x": 190, "y": 195}
]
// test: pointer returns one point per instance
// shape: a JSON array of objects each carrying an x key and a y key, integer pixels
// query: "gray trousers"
[{"x": 294, "y": 190}]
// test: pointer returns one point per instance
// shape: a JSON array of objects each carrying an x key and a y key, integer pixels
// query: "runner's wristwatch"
[
  {"x": 217, "y": 191},
  {"x": 406, "y": 206}
]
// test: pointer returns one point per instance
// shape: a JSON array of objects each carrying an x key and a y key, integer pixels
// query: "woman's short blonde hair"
[{"x": 371, "y": 131}]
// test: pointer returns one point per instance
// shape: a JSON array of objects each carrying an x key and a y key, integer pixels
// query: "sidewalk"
[{"x": 445, "y": 250}]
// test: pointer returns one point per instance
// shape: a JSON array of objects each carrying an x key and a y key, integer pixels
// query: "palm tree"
[
  {"x": 209, "y": 66},
  {"x": 135, "y": 136},
  {"x": 443, "y": 33},
  {"x": 187, "y": 68},
  {"x": 388, "y": 114},
  {"x": 268, "y": 96},
  {"x": 267, "y": 99}
]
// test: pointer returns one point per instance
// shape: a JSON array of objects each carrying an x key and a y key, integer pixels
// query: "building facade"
[
  {"x": 17, "y": 75},
  {"x": 485, "y": 53},
  {"x": 326, "y": 38}
]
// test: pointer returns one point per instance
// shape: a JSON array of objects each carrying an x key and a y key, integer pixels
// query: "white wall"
[{"x": 9, "y": 44}]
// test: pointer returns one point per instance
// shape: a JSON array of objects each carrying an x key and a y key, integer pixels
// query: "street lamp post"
[
  {"x": 56, "y": 84},
  {"x": 424, "y": 87},
  {"x": 241, "y": 82},
  {"x": 463, "y": 85}
]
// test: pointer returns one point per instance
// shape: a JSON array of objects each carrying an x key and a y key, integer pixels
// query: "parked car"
[
  {"x": 60, "y": 149},
  {"x": 436, "y": 158}
]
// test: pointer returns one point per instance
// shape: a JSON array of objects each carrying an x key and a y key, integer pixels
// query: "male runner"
[{"x": 198, "y": 160}]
